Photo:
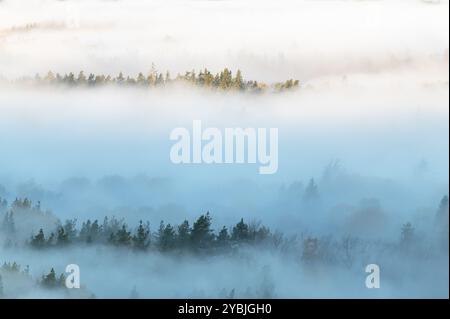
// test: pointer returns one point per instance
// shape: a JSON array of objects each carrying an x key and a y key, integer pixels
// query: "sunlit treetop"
[{"x": 224, "y": 80}]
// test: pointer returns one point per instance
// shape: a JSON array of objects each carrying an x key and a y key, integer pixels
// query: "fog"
[
  {"x": 267, "y": 39},
  {"x": 369, "y": 123}
]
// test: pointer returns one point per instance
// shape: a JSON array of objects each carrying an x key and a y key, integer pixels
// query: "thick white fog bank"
[
  {"x": 382, "y": 125},
  {"x": 93, "y": 152},
  {"x": 106, "y": 273},
  {"x": 268, "y": 40}
]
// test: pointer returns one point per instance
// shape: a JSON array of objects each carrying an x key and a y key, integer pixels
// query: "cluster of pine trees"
[
  {"x": 198, "y": 237},
  {"x": 224, "y": 80},
  {"x": 50, "y": 280}
]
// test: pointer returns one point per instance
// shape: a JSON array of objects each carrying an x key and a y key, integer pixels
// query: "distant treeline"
[
  {"x": 197, "y": 238},
  {"x": 112, "y": 231},
  {"x": 224, "y": 80}
]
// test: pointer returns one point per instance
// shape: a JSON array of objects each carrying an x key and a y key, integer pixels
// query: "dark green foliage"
[
  {"x": 166, "y": 237},
  {"x": 240, "y": 232},
  {"x": 198, "y": 238},
  {"x": 184, "y": 235},
  {"x": 51, "y": 280},
  {"x": 62, "y": 238},
  {"x": 122, "y": 237},
  {"x": 70, "y": 229},
  {"x": 202, "y": 234},
  {"x": 141, "y": 240},
  {"x": 89, "y": 232},
  {"x": 223, "y": 238},
  {"x": 38, "y": 241}
]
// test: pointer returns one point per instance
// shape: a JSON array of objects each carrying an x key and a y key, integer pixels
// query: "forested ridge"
[
  {"x": 224, "y": 80},
  {"x": 201, "y": 239}
]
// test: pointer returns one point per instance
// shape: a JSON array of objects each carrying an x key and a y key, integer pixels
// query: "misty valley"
[
  {"x": 36, "y": 244},
  {"x": 224, "y": 149}
]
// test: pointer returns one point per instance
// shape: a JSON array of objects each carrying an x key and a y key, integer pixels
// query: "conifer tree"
[
  {"x": 184, "y": 234},
  {"x": 62, "y": 238},
  {"x": 166, "y": 237},
  {"x": 223, "y": 237},
  {"x": 38, "y": 241},
  {"x": 240, "y": 232},
  {"x": 141, "y": 240},
  {"x": 49, "y": 280},
  {"x": 201, "y": 233},
  {"x": 123, "y": 236}
]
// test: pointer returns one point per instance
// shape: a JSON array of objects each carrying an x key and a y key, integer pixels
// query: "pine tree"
[
  {"x": 141, "y": 79},
  {"x": 49, "y": 280},
  {"x": 120, "y": 79},
  {"x": 261, "y": 234},
  {"x": 184, "y": 234},
  {"x": 166, "y": 237},
  {"x": 62, "y": 238},
  {"x": 240, "y": 232},
  {"x": 84, "y": 231},
  {"x": 226, "y": 79},
  {"x": 223, "y": 237},
  {"x": 141, "y": 240},
  {"x": 123, "y": 236},
  {"x": 81, "y": 80},
  {"x": 238, "y": 81},
  {"x": 38, "y": 241},
  {"x": 91, "y": 79},
  {"x": 70, "y": 229},
  {"x": 50, "y": 78},
  {"x": 201, "y": 233},
  {"x": 94, "y": 232}
]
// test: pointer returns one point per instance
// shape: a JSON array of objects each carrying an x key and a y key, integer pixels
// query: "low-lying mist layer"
[{"x": 246, "y": 261}]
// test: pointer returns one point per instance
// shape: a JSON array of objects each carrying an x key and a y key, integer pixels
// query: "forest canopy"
[{"x": 224, "y": 80}]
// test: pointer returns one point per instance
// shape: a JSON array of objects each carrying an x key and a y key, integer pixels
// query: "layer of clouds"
[{"x": 268, "y": 40}]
